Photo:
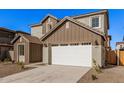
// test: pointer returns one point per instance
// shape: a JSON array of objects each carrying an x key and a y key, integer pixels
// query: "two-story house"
[
  {"x": 75, "y": 40},
  {"x": 6, "y": 35}
]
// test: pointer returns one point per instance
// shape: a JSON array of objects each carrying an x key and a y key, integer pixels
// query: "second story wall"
[
  {"x": 88, "y": 21},
  {"x": 41, "y": 29},
  {"x": 37, "y": 31}
]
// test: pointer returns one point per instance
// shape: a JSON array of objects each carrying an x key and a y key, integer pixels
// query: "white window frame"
[{"x": 99, "y": 21}]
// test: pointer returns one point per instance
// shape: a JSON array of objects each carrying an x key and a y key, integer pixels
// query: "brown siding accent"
[
  {"x": 35, "y": 52},
  {"x": 75, "y": 34}
]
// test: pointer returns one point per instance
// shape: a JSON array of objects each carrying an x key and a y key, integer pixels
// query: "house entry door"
[{"x": 21, "y": 57}]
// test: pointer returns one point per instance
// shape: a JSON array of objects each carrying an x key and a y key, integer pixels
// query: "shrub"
[
  {"x": 96, "y": 67},
  {"x": 94, "y": 77},
  {"x": 7, "y": 59},
  {"x": 21, "y": 64}
]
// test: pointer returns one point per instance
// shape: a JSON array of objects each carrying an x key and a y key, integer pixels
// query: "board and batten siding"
[
  {"x": 35, "y": 52},
  {"x": 73, "y": 34}
]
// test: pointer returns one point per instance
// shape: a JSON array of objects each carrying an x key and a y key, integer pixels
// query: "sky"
[{"x": 21, "y": 19}]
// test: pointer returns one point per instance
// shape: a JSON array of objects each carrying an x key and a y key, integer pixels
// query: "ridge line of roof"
[{"x": 88, "y": 14}]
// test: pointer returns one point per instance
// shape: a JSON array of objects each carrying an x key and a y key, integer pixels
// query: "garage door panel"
[{"x": 72, "y": 55}]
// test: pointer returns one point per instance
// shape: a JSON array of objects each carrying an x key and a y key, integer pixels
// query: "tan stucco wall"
[
  {"x": 87, "y": 21},
  {"x": 98, "y": 54},
  {"x": 36, "y": 31},
  {"x": 45, "y": 55}
]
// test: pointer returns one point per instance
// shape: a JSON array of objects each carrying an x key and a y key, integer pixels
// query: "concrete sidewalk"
[{"x": 48, "y": 74}]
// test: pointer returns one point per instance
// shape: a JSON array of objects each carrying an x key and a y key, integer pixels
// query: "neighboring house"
[
  {"x": 75, "y": 40},
  {"x": 6, "y": 35},
  {"x": 27, "y": 48},
  {"x": 119, "y": 45},
  {"x": 120, "y": 52}
]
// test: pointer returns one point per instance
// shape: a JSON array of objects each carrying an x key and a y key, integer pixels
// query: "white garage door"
[{"x": 80, "y": 55}]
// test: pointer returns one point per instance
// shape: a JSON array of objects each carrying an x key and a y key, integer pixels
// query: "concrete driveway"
[{"x": 48, "y": 74}]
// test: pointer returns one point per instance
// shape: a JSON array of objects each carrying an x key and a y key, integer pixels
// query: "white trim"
[
  {"x": 67, "y": 25},
  {"x": 90, "y": 21},
  {"x": 24, "y": 38},
  {"x": 18, "y": 50}
]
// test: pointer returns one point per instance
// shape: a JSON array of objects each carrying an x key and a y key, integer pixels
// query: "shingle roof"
[
  {"x": 7, "y": 30},
  {"x": 89, "y": 14},
  {"x": 49, "y": 15},
  {"x": 39, "y": 24},
  {"x": 31, "y": 39}
]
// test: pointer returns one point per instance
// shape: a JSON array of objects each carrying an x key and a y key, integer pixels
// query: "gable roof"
[
  {"x": 49, "y": 15},
  {"x": 40, "y": 24},
  {"x": 7, "y": 30},
  {"x": 22, "y": 32},
  {"x": 34, "y": 25},
  {"x": 76, "y": 22},
  {"x": 89, "y": 14},
  {"x": 31, "y": 39}
]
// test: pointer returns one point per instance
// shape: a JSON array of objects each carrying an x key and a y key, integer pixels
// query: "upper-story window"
[{"x": 95, "y": 22}]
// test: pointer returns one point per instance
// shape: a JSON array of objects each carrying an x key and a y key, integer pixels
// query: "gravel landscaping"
[
  {"x": 110, "y": 74},
  {"x": 9, "y": 69}
]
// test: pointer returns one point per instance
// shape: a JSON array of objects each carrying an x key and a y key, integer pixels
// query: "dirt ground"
[
  {"x": 111, "y": 74},
  {"x": 9, "y": 69}
]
